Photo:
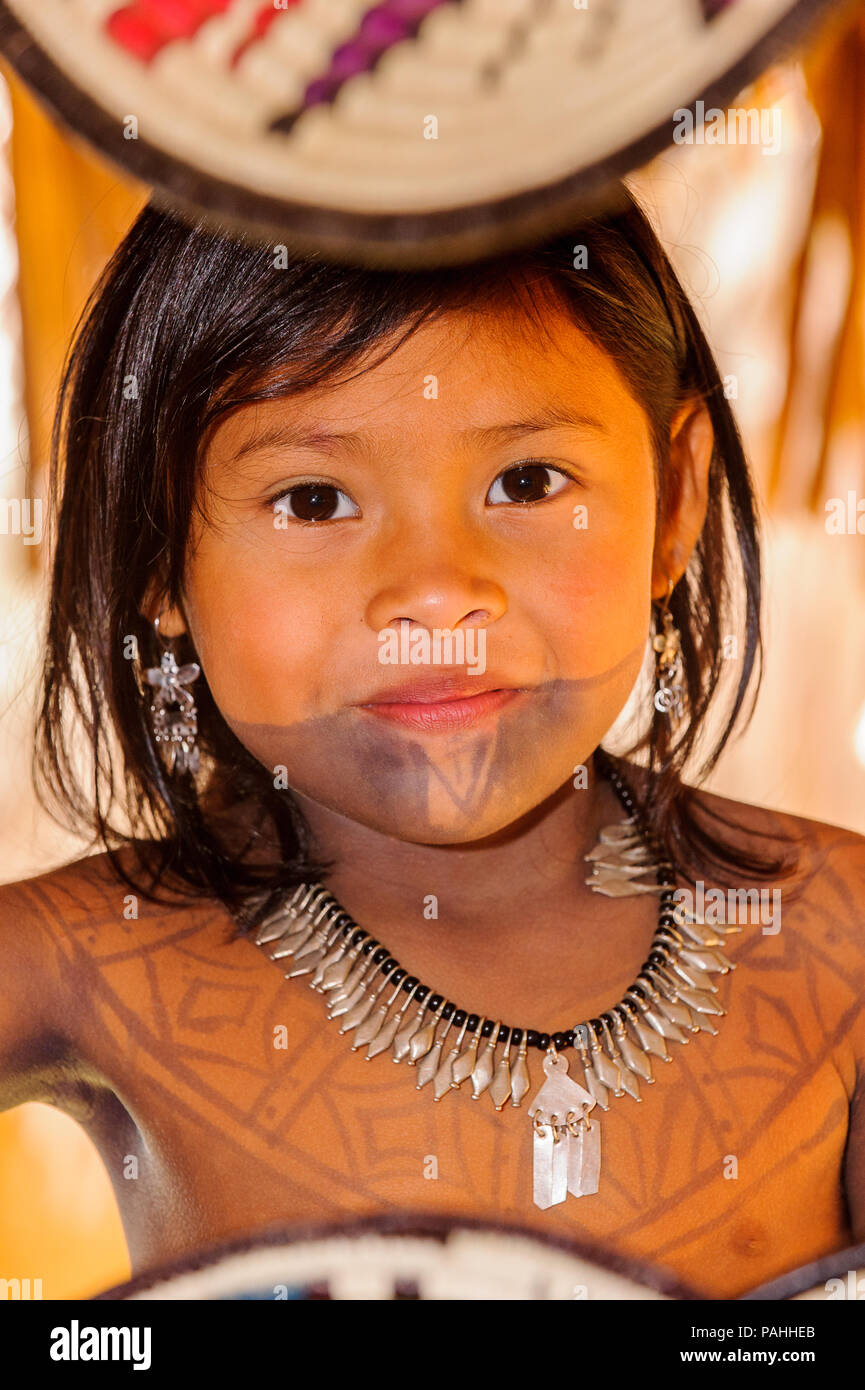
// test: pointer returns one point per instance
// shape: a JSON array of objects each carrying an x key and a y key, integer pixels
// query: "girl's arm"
[
  {"x": 34, "y": 979},
  {"x": 849, "y": 918},
  {"x": 854, "y": 1168}
]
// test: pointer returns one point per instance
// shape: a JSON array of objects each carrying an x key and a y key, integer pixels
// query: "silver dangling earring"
[
  {"x": 173, "y": 711},
  {"x": 669, "y": 692}
]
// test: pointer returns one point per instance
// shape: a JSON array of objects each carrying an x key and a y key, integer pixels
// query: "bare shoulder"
[
  {"x": 820, "y": 865},
  {"x": 829, "y": 859},
  {"x": 51, "y": 928},
  {"x": 809, "y": 949},
  {"x": 53, "y": 917}
]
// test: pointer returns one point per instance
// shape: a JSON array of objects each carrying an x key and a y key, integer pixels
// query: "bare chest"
[{"x": 248, "y": 1108}]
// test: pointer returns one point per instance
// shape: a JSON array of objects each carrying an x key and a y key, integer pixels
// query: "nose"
[{"x": 444, "y": 596}]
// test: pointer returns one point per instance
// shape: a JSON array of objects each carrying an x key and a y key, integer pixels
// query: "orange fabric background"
[{"x": 58, "y": 1218}]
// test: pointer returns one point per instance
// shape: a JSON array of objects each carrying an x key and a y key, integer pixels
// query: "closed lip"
[
  {"x": 436, "y": 690},
  {"x": 441, "y": 704}
]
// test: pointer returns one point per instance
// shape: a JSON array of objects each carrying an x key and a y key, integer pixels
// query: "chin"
[{"x": 458, "y": 832}]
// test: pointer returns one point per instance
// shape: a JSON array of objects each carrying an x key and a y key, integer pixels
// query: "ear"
[
  {"x": 686, "y": 494},
  {"x": 172, "y": 622}
]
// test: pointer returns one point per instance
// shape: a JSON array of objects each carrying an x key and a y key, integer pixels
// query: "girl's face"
[{"x": 483, "y": 481}]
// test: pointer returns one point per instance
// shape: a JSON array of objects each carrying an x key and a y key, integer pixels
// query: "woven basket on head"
[{"x": 404, "y": 132}]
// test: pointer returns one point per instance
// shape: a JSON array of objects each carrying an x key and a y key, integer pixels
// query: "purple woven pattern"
[
  {"x": 393, "y": 22},
  {"x": 381, "y": 27}
]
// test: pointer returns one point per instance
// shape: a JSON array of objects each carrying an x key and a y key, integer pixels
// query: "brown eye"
[
  {"x": 527, "y": 482},
  {"x": 316, "y": 502}
]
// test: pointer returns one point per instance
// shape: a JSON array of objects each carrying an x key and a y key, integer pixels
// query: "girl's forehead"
[
  {"x": 465, "y": 368},
  {"x": 503, "y": 336}
]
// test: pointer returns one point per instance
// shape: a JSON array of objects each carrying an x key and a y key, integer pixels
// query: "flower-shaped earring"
[{"x": 173, "y": 711}]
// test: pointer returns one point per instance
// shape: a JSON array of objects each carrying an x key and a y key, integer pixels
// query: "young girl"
[{"x": 287, "y": 487}]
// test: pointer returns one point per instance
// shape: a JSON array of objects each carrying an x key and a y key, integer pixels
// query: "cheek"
[
  {"x": 592, "y": 590},
  {"x": 262, "y": 636}
]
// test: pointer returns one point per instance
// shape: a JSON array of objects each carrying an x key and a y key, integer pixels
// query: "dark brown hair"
[{"x": 185, "y": 326}]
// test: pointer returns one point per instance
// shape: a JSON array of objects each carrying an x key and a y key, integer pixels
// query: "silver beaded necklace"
[{"x": 386, "y": 1009}]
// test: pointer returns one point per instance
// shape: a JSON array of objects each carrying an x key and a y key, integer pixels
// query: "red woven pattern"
[
  {"x": 259, "y": 27},
  {"x": 146, "y": 26}
]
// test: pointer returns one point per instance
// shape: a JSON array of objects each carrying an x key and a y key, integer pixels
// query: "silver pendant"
[
  {"x": 562, "y": 1160},
  {"x": 550, "y": 1155},
  {"x": 620, "y": 860},
  {"x": 584, "y": 1160}
]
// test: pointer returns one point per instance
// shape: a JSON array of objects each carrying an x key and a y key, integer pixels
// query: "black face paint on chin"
[{"x": 444, "y": 787}]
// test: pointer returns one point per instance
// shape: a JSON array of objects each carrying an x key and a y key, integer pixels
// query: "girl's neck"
[{"x": 483, "y": 884}]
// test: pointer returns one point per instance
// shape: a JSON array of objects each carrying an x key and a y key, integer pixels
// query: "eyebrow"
[
  {"x": 290, "y": 436},
  {"x": 549, "y": 418}
]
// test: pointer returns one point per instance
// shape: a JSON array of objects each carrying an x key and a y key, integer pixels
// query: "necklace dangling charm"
[{"x": 566, "y": 1145}]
